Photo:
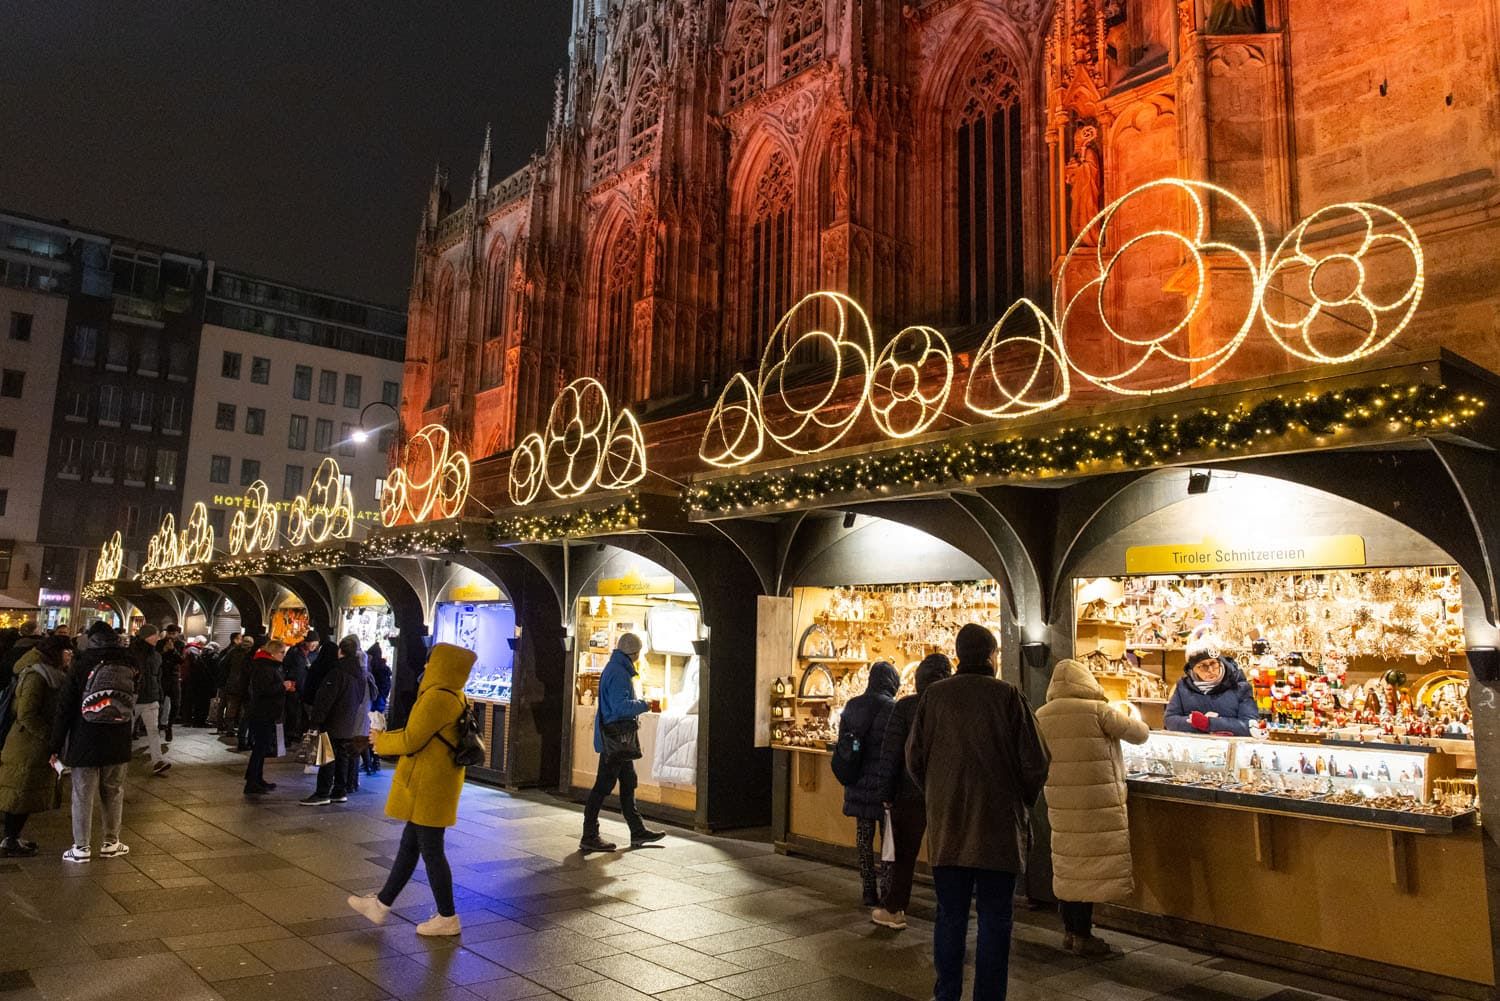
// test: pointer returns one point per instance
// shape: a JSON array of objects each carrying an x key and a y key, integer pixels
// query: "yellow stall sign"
[
  {"x": 634, "y": 583},
  {"x": 475, "y": 592},
  {"x": 1214, "y": 555}
]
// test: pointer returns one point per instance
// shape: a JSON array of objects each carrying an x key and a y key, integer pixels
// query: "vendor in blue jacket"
[
  {"x": 1212, "y": 696},
  {"x": 617, "y": 702}
]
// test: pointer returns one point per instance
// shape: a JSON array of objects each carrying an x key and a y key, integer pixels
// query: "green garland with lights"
[
  {"x": 621, "y": 517},
  {"x": 412, "y": 543},
  {"x": 99, "y": 589},
  {"x": 1162, "y": 440}
]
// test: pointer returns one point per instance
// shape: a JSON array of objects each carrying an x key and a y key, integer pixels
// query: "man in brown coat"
[{"x": 975, "y": 751}]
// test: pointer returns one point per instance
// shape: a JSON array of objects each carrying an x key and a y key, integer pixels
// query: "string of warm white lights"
[
  {"x": 169, "y": 549},
  {"x": 583, "y": 445},
  {"x": 431, "y": 482},
  {"x": 253, "y": 529},
  {"x": 111, "y": 559},
  {"x": 326, "y": 511},
  {"x": 1091, "y": 333},
  {"x": 621, "y": 517}
]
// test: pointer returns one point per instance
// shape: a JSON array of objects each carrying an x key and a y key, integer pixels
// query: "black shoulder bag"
[{"x": 622, "y": 739}]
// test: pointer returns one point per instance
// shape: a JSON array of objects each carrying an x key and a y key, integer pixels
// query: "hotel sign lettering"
[{"x": 1214, "y": 555}]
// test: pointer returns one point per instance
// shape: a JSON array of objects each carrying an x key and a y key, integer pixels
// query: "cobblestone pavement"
[{"x": 224, "y": 898}]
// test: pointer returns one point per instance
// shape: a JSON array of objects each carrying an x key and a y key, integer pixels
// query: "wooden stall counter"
[{"x": 1374, "y": 900}]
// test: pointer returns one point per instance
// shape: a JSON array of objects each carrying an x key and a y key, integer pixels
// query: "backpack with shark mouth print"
[{"x": 109, "y": 693}]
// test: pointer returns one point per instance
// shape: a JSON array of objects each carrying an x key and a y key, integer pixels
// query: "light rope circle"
[
  {"x": 735, "y": 433},
  {"x": 789, "y": 411},
  {"x": 253, "y": 529},
  {"x": 1291, "y": 314},
  {"x": 326, "y": 511},
  {"x": 1081, "y": 304},
  {"x": 905, "y": 398},
  {"x": 1019, "y": 374},
  {"x": 432, "y": 480},
  {"x": 111, "y": 559},
  {"x": 584, "y": 444}
]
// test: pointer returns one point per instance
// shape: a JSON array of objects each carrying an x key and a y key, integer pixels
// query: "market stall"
[
  {"x": 364, "y": 612},
  {"x": 473, "y": 613},
  {"x": 195, "y": 621},
  {"x": 631, "y": 594},
  {"x": 289, "y": 619},
  {"x": 883, "y": 591},
  {"x": 226, "y": 620},
  {"x": 1355, "y": 790}
]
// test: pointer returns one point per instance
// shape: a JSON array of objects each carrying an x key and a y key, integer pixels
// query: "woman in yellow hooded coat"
[{"x": 426, "y": 788}]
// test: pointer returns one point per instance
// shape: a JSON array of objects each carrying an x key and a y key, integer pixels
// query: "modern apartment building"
[
  {"x": 285, "y": 378},
  {"x": 136, "y": 380}
]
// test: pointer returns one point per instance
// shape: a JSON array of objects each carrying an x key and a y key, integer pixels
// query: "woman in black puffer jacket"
[{"x": 865, "y": 717}]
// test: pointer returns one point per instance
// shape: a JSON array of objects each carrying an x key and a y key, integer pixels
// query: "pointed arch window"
[
  {"x": 644, "y": 114},
  {"x": 616, "y": 313},
  {"x": 745, "y": 57},
  {"x": 606, "y": 139},
  {"x": 801, "y": 36},
  {"x": 497, "y": 280},
  {"x": 443, "y": 327},
  {"x": 986, "y": 157},
  {"x": 768, "y": 250}
]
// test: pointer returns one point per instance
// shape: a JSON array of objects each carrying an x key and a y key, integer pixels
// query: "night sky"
[{"x": 292, "y": 139}]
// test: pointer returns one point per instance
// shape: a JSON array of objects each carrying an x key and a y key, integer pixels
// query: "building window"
[
  {"x": 255, "y": 420},
  {"x": 801, "y": 36},
  {"x": 70, "y": 457},
  {"x": 323, "y": 436},
  {"x": 216, "y": 521},
  {"x": 141, "y": 407},
  {"x": 745, "y": 55},
  {"x": 171, "y": 415},
  {"x": 225, "y": 419},
  {"x": 7, "y": 551},
  {"x": 387, "y": 440},
  {"x": 85, "y": 345},
  {"x": 20, "y": 326},
  {"x": 166, "y": 469},
  {"x": 12, "y": 381},
  {"x": 328, "y": 387},
  {"x": 346, "y": 439},
  {"x": 179, "y": 364},
  {"x": 7, "y": 441},
  {"x": 218, "y": 469},
  {"x": 76, "y": 407},
  {"x": 249, "y": 471},
  {"x": 135, "y": 465},
  {"x": 617, "y": 307},
  {"x": 231, "y": 367},
  {"x": 769, "y": 253},
  {"x": 302, "y": 383},
  {"x": 260, "y": 371},
  {"x": 292, "y": 485},
  {"x": 117, "y": 352},
  {"x": 148, "y": 360},
  {"x": 987, "y": 177},
  {"x": 4, "y": 502},
  {"x": 352, "y": 391},
  {"x": 390, "y": 394},
  {"x": 105, "y": 455},
  {"x": 110, "y": 400},
  {"x": 296, "y": 436},
  {"x": 132, "y": 521}
]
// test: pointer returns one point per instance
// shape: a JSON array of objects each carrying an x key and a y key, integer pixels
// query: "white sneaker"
[
  {"x": 371, "y": 908},
  {"x": 437, "y": 925},
  {"x": 888, "y": 919},
  {"x": 113, "y": 849},
  {"x": 79, "y": 854}
]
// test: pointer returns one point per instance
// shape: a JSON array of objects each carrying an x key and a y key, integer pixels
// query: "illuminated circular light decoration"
[
  {"x": 431, "y": 482},
  {"x": 326, "y": 511},
  {"x": 1082, "y": 306},
  {"x": 904, "y": 401},
  {"x": 195, "y": 544},
  {"x": 1014, "y": 374},
  {"x": 735, "y": 433},
  {"x": 253, "y": 529},
  {"x": 789, "y": 411},
  {"x": 111, "y": 559},
  {"x": 1334, "y": 284},
  {"x": 583, "y": 445}
]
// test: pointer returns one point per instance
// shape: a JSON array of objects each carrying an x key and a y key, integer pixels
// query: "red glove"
[{"x": 1199, "y": 722}]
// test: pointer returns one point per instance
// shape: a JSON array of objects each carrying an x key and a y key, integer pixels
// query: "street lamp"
[{"x": 362, "y": 434}]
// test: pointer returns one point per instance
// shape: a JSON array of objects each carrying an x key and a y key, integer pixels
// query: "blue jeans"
[{"x": 957, "y": 887}]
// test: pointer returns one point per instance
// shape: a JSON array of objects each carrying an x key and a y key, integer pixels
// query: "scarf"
[
  {"x": 52, "y": 675},
  {"x": 1205, "y": 687}
]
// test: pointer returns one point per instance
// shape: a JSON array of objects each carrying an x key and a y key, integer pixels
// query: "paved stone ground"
[{"x": 225, "y": 899}]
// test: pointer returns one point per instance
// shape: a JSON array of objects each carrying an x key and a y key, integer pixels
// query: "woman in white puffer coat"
[{"x": 1086, "y": 799}]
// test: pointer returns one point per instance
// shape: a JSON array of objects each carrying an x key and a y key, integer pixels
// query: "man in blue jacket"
[{"x": 617, "y": 702}]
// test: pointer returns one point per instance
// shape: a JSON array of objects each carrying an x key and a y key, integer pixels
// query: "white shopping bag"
[
  {"x": 887, "y": 841},
  {"x": 280, "y": 740}
]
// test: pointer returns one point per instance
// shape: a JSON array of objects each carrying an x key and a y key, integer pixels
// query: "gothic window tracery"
[
  {"x": 616, "y": 311},
  {"x": 606, "y": 139},
  {"x": 745, "y": 56},
  {"x": 644, "y": 115},
  {"x": 444, "y": 320},
  {"x": 768, "y": 252},
  {"x": 986, "y": 152},
  {"x": 497, "y": 280},
  {"x": 801, "y": 36}
]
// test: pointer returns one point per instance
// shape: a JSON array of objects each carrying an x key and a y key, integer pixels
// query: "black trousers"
[
  {"x": 1078, "y": 919},
  {"x": 340, "y": 777},
  {"x": 611, "y": 771},
  {"x": 426, "y": 842},
  {"x": 262, "y": 746},
  {"x": 908, "y": 824},
  {"x": 14, "y": 823}
]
